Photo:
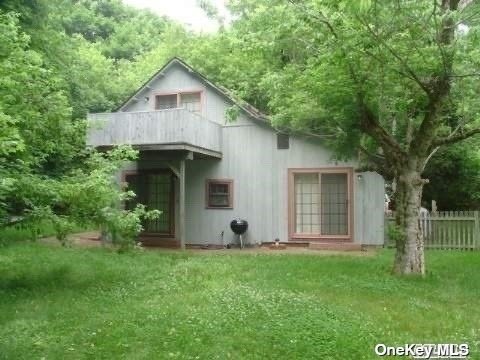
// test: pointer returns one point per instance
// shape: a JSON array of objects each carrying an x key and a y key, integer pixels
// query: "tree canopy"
[{"x": 390, "y": 82}]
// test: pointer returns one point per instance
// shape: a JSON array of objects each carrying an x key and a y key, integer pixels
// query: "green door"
[{"x": 156, "y": 191}]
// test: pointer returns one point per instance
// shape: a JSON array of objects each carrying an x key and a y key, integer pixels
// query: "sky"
[{"x": 186, "y": 12}]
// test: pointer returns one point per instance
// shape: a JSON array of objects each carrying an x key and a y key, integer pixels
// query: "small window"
[
  {"x": 190, "y": 101},
  {"x": 283, "y": 141},
  {"x": 163, "y": 102},
  {"x": 219, "y": 194}
]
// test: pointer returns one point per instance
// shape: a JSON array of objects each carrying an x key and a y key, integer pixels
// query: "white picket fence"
[{"x": 449, "y": 230}]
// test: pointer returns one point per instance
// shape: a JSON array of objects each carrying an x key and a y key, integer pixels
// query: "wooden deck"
[{"x": 172, "y": 129}]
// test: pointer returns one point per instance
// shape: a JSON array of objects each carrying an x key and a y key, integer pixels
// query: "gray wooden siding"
[
  {"x": 176, "y": 79},
  {"x": 154, "y": 127},
  {"x": 260, "y": 174},
  {"x": 369, "y": 208}
]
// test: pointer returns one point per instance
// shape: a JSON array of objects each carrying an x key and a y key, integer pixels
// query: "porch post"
[{"x": 182, "y": 205}]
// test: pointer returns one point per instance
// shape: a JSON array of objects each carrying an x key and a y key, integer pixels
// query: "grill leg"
[{"x": 241, "y": 242}]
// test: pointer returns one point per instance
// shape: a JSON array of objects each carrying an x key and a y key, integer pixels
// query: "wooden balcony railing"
[{"x": 149, "y": 128}]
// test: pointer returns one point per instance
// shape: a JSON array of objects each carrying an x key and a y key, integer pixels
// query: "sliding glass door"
[
  {"x": 334, "y": 204},
  {"x": 320, "y": 203}
]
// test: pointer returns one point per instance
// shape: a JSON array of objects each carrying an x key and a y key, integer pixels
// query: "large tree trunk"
[{"x": 409, "y": 258}]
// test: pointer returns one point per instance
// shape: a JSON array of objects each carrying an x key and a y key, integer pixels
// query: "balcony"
[{"x": 172, "y": 129}]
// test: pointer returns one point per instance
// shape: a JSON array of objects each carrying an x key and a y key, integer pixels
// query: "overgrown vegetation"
[
  {"x": 25, "y": 232},
  {"x": 53, "y": 70},
  {"x": 454, "y": 177},
  {"x": 75, "y": 303}
]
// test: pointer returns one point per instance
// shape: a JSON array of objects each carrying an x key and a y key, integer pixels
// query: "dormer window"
[{"x": 187, "y": 100}]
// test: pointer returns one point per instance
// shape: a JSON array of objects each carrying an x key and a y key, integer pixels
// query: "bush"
[{"x": 89, "y": 195}]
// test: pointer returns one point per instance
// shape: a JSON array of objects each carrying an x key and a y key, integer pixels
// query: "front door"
[{"x": 156, "y": 190}]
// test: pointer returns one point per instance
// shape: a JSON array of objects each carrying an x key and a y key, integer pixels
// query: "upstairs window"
[
  {"x": 190, "y": 101},
  {"x": 219, "y": 194},
  {"x": 163, "y": 102}
]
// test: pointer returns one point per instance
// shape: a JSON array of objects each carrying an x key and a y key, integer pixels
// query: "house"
[{"x": 203, "y": 169}]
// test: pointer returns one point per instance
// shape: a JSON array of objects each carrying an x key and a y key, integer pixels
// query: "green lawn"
[{"x": 66, "y": 303}]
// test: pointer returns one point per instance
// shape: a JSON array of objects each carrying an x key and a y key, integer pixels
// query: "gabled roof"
[{"x": 225, "y": 93}]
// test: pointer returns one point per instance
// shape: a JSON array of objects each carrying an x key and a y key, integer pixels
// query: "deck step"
[
  {"x": 335, "y": 246},
  {"x": 159, "y": 242},
  {"x": 288, "y": 244}
]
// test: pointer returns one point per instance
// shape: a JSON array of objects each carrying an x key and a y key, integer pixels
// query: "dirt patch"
[
  {"x": 84, "y": 239},
  {"x": 92, "y": 239},
  {"x": 289, "y": 250}
]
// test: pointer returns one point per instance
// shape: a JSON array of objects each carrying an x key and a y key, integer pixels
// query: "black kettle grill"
[{"x": 239, "y": 227}]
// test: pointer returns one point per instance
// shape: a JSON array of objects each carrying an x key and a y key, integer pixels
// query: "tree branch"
[
  {"x": 437, "y": 37},
  {"x": 410, "y": 74},
  {"x": 439, "y": 86},
  {"x": 372, "y": 127},
  {"x": 465, "y": 75},
  {"x": 322, "y": 18},
  {"x": 376, "y": 163},
  {"x": 429, "y": 157},
  {"x": 368, "y": 120},
  {"x": 376, "y": 158},
  {"x": 455, "y": 138},
  {"x": 382, "y": 62}
]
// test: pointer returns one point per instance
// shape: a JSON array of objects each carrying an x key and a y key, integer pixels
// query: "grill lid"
[{"x": 239, "y": 226}]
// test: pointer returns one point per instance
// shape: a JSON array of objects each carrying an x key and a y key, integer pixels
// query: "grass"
[
  {"x": 22, "y": 232},
  {"x": 71, "y": 303},
  {"x": 29, "y": 231}
]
